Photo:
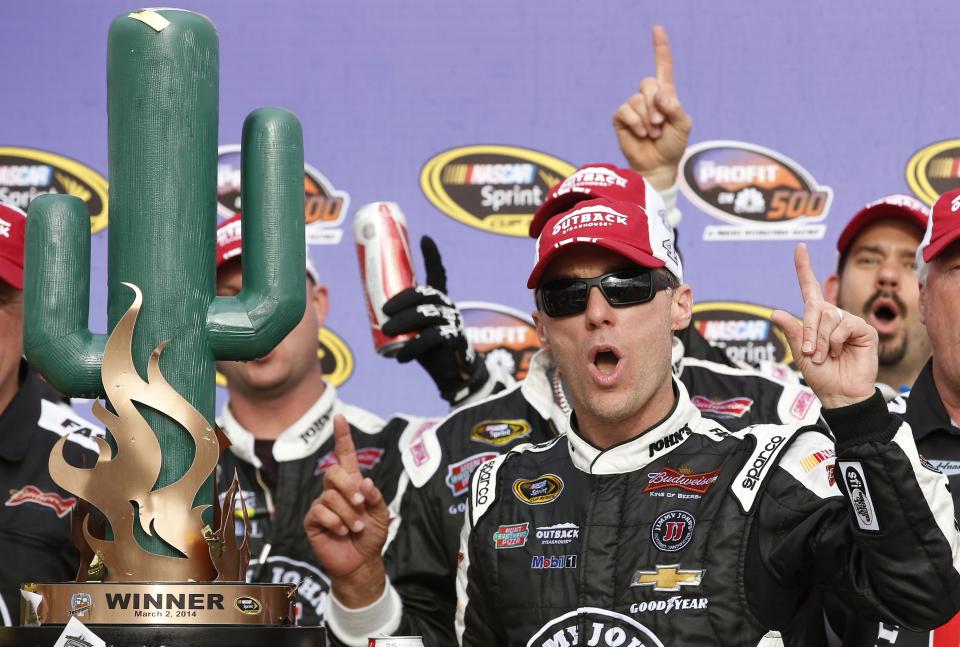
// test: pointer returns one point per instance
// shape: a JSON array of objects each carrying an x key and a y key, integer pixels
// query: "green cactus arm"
[
  {"x": 273, "y": 296},
  {"x": 56, "y": 338}
]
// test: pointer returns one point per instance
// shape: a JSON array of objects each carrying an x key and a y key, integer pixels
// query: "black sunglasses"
[{"x": 565, "y": 297}]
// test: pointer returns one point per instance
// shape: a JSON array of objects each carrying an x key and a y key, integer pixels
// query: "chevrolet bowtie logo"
[{"x": 667, "y": 578}]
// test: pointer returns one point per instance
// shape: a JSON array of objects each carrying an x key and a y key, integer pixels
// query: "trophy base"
[{"x": 165, "y": 635}]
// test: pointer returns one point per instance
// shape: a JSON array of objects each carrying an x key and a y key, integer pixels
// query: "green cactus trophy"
[{"x": 162, "y": 83}]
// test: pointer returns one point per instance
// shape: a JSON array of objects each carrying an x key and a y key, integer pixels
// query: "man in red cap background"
[
  {"x": 35, "y": 539},
  {"x": 876, "y": 279}
]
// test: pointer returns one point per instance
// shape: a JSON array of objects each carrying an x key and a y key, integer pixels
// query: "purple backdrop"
[{"x": 849, "y": 92}]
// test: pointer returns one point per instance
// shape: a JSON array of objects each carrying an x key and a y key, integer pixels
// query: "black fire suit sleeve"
[{"x": 878, "y": 529}]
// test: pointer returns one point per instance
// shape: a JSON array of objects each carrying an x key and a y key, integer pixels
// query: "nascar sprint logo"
[
  {"x": 764, "y": 195},
  {"x": 26, "y": 173},
  {"x": 743, "y": 330},
  {"x": 494, "y": 188},
  {"x": 505, "y": 337},
  {"x": 934, "y": 170},
  {"x": 334, "y": 356},
  {"x": 324, "y": 206}
]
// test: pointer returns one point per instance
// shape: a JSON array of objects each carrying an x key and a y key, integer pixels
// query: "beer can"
[
  {"x": 386, "y": 265},
  {"x": 395, "y": 641}
]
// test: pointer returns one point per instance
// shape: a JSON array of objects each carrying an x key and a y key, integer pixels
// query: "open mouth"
[
  {"x": 885, "y": 316},
  {"x": 605, "y": 364}
]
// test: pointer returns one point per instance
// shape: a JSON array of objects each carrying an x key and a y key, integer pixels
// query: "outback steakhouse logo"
[
  {"x": 743, "y": 330},
  {"x": 538, "y": 491},
  {"x": 505, "y": 337},
  {"x": 324, "y": 206},
  {"x": 26, "y": 173},
  {"x": 494, "y": 188},
  {"x": 334, "y": 355},
  {"x": 934, "y": 170},
  {"x": 763, "y": 194}
]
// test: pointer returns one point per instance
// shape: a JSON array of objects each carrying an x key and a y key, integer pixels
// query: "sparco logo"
[
  {"x": 764, "y": 194},
  {"x": 743, "y": 331},
  {"x": 324, "y": 206},
  {"x": 671, "y": 439},
  {"x": 934, "y": 170},
  {"x": 760, "y": 462},
  {"x": 494, "y": 188},
  {"x": 26, "y": 173},
  {"x": 600, "y": 627},
  {"x": 483, "y": 483},
  {"x": 506, "y": 337}
]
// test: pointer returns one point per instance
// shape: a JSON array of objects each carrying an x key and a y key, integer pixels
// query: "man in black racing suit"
[
  {"x": 647, "y": 524},
  {"x": 279, "y": 420}
]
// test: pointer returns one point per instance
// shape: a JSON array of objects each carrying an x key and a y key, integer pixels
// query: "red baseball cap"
[
  {"x": 896, "y": 206},
  {"x": 590, "y": 182},
  {"x": 622, "y": 227},
  {"x": 943, "y": 227},
  {"x": 229, "y": 245},
  {"x": 13, "y": 233}
]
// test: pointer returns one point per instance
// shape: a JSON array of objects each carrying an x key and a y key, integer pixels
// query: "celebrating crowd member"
[
  {"x": 876, "y": 279},
  {"x": 279, "y": 419},
  {"x": 762, "y": 525},
  {"x": 35, "y": 518}
]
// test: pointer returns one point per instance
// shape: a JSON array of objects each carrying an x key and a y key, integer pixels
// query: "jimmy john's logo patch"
[
  {"x": 934, "y": 170},
  {"x": 325, "y": 207},
  {"x": 505, "y": 337},
  {"x": 743, "y": 330},
  {"x": 335, "y": 357},
  {"x": 500, "y": 432},
  {"x": 494, "y": 188},
  {"x": 595, "y": 627},
  {"x": 763, "y": 194},
  {"x": 538, "y": 491},
  {"x": 26, "y": 173}
]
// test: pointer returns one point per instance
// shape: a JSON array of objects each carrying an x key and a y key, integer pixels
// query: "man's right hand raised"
[{"x": 347, "y": 526}]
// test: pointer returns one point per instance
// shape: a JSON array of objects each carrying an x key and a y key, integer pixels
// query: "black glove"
[{"x": 441, "y": 346}]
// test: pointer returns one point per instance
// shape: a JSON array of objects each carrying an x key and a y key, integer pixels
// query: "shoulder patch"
[
  {"x": 59, "y": 418},
  {"x": 500, "y": 432},
  {"x": 799, "y": 405},
  {"x": 811, "y": 459},
  {"x": 769, "y": 443},
  {"x": 420, "y": 451}
]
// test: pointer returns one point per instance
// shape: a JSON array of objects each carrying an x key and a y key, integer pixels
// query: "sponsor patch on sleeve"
[{"x": 858, "y": 493}]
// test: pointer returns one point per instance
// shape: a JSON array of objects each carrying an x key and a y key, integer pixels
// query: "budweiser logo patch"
[
  {"x": 732, "y": 408},
  {"x": 33, "y": 494},
  {"x": 366, "y": 456},
  {"x": 667, "y": 477}
]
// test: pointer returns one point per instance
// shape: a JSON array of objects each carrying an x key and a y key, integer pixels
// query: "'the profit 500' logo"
[
  {"x": 334, "y": 355},
  {"x": 763, "y": 194},
  {"x": 743, "y": 330},
  {"x": 506, "y": 337},
  {"x": 324, "y": 206},
  {"x": 494, "y": 188},
  {"x": 26, "y": 173},
  {"x": 934, "y": 170}
]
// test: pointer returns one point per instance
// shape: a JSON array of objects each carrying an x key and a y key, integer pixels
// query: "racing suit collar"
[
  {"x": 19, "y": 418},
  {"x": 299, "y": 440},
  {"x": 925, "y": 411},
  {"x": 538, "y": 391},
  {"x": 640, "y": 450}
]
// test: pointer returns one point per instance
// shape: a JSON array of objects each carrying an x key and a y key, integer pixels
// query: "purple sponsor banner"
[{"x": 849, "y": 93}]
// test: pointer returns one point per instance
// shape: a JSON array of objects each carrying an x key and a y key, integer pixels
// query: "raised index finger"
[
  {"x": 809, "y": 285},
  {"x": 662, "y": 56},
  {"x": 343, "y": 445}
]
